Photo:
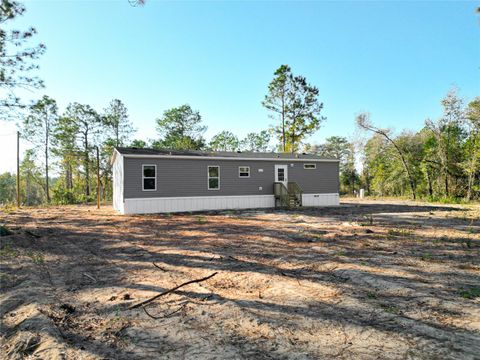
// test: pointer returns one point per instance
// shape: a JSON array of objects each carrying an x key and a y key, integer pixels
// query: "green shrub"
[
  {"x": 426, "y": 257},
  {"x": 4, "y": 231},
  {"x": 62, "y": 196},
  {"x": 8, "y": 252},
  {"x": 201, "y": 219},
  {"x": 470, "y": 293}
]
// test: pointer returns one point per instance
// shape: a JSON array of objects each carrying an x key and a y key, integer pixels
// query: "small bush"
[
  {"x": 426, "y": 257},
  {"x": 367, "y": 220},
  {"x": 37, "y": 258},
  {"x": 470, "y": 293},
  {"x": 63, "y": 196},
  {"x": 8, "y": 207},
  {"x": 4, "y": 231},
  {"x": 8, "y": 252},
  {"x": 201, "y": 219}
]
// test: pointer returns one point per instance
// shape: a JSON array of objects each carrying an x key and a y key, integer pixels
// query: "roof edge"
[{"x": 194, "y": 157}]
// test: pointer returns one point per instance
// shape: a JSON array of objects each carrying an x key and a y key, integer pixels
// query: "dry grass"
[{"x": 366, "y": 280}]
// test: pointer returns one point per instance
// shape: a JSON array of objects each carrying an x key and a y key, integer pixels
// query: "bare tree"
[{"x": 363, "y": 121}]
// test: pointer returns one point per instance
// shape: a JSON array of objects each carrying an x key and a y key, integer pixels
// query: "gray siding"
[{"x": 185, "y": 177}]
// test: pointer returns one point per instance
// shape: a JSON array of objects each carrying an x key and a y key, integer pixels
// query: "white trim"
[
  {"x": 205, "y": 203},
  {"x": 208, "y": 177},
  {"x": 243, "y": 177},
  {"x": 309, "y": 168},
  {"x": 149, "y": 177},
  {"x": 118, "y": 180},
  {"x": 196, "y": 203},
  {"x": 285, "y": 173},
  {"x": 114, "y": 155},
  {"x": 196, "y": 197},
  {"x": 223, "y": 158}
]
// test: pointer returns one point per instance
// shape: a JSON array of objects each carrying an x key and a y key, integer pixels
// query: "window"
[
  {"x": 310, "y": 166},
  {"x": 214, "y": 178},
  {"x": 244, "y": 171},
  {"x": 149, "y": 177}
]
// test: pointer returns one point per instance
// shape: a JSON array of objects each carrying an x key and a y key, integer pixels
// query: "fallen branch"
[
  {"x": 36, "y": 236},
  {"x": 148, "y": 301},
  {"x": 158, "y": 267},
  {"x": 163, "y": 316},
  {"x": 90, "y": 277}
]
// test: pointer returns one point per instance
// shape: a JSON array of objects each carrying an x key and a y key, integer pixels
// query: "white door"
[{"x": 281, "y": 174}]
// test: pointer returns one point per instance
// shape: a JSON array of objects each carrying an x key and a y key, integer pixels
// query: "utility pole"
[
  {"x": 18, "y": 169},
  {"x": 98, "y": 179}
]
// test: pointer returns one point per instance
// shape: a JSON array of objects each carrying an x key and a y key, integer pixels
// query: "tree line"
[{"x": 442, "y": 160}]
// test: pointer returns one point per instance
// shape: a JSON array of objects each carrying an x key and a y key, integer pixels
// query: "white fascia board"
[
  {"x": 224, "y": 158},
  {"x": 114, "y": 156}
]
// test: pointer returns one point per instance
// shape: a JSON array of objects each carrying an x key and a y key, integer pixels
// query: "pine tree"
[
  {"x": 17, "y": 59},
  {"x": 39, "y": 127}
]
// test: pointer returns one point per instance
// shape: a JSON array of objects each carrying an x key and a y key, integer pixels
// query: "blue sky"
[{"x": 393, "y": 59}]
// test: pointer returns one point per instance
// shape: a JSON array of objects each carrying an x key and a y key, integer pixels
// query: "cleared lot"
[{"x": 365, "y": 280}]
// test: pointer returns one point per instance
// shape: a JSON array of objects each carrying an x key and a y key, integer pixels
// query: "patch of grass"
[
  {"x": 201, "y": 219},
  {"x": 447, "y": 200},
  {"x": 399, "y": 232},
  {"x": 4, "y": 231},
  {"x": 441, "y": 239},
  {"x": 471, "y": 230},
  {"x": 426, "y": 257},
  {"x": 367, "y": 220},
  {"x": 37, "y": 258},
  {"x": 391, "y": 309},
  {"x": 468, "y": 243},
  {"x": 316, "y": 237},
  {"x": 168, "y": 215},
  {"x": 363, "y": 263},
  {"x": 470, "y": 293},
  {"x": 8, "y": 252},
  {"x": 8, "y": 208},
  {"x": 372, "y": 295},
  {"x": 118, "y": 314}
]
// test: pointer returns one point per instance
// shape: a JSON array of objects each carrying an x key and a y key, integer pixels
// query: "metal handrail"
[
  {"x": 296, "y": 190},
  {"x": 284, "y": 193},
  {"x": 281, "y": 193}
]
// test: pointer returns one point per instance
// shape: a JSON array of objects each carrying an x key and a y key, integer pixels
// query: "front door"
[{"x": 281, "y": 174}]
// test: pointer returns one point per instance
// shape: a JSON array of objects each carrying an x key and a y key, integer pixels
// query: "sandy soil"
[{"x": 366, "y": 280}]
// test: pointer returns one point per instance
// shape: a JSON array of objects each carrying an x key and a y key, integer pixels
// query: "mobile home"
[{"x": 158, "y": 181}]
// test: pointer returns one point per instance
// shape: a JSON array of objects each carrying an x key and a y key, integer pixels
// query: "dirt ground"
[{"x": 366, "y": 280}]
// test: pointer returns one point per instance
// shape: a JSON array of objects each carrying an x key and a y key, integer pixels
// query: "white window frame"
[
  {"x": 239, "y": 172},
  {"x": 310, "y": 168},
  {"x": 148, "y": 177},
  {"x": 208, "y": 177}
]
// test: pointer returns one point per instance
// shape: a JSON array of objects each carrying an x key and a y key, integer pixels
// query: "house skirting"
[
  {"x": 205, "y": 203},
  {"x": 320, "y": 199}
]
